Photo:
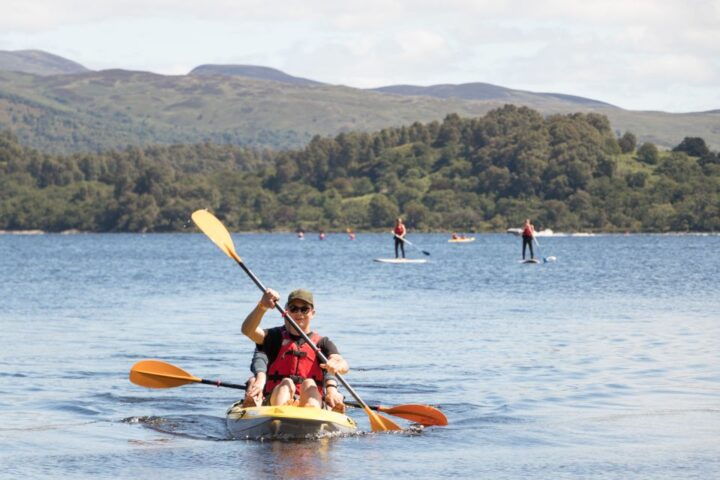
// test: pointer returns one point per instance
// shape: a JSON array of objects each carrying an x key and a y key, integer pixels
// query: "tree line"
[{"x": 567, "y": 172}]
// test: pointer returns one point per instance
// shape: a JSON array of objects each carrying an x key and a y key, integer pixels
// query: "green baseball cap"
[{"x": 301, "y": 294}]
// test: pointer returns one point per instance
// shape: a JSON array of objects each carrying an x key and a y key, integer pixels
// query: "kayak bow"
[{"x": 286, "y": 423}]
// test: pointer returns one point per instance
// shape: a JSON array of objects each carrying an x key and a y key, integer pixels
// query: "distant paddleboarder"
[
  {"x": 399, "y": 235},
  {"x": 528, "y": 232}
]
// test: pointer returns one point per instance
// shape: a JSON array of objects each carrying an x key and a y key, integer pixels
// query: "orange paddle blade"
[
  {"x": 422, "y": 414},
  {"x": 378, "y": 423},
  {"x": 157, "y": 374},
  {"x": 216, "y": 231}
]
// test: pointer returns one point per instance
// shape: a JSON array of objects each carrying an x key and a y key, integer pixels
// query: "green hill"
[
  {"x": 252, "y": 71},
  {"x": 114, "y": 108},
  {"x": 38, "y": 62},
  {"x": 95, "y": 111},
  {"x": 486, "y": 91}
]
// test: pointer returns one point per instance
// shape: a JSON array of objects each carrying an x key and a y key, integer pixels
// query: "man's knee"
[{"x": 308, "y": 384}]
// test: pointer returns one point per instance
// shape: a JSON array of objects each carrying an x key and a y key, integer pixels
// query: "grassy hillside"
[
  {"x": 96, "y": 111},
  {"x": 114, "y": 108},
  {"x": 38, "y": 63},
  {"x": 252, "y": 71}
]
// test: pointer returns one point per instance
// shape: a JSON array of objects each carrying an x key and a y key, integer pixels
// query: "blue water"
[{"x": 603, "y": 364}]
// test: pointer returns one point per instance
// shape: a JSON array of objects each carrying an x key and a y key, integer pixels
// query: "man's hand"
[
  {"x": 269, "y": 298},
  {"x": 336, "y": 364},
  {"x": 334, "y": 400},
  {"x": 254, "y": 392}
]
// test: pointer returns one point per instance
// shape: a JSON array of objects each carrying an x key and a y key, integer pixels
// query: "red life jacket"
[
  {"x": 527, "y": 232},
  {"x": 400, "y": 230},
  {"x": 295, "y": 362}
]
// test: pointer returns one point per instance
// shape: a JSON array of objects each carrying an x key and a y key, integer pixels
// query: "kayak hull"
[
  {"x": 462, "y": 240},
  {"x": 286, "y": 423}
]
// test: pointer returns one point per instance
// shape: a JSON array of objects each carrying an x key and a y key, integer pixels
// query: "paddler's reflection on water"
[
  {"x": 297, "y": 459},
  {"x": 307, "y": 459}
]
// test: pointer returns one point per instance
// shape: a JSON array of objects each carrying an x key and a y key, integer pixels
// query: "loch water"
[{"x": 601, "y": 364}]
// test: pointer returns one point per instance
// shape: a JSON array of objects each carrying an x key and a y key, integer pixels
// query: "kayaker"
[
  {"x": 294, "y": 373},
  {"x": 399, "y": 234},
  {"x": 254, "y": 394},
  {"x": 528, "y": 233}
]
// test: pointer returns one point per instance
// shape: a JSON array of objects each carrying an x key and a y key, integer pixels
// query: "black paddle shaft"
[
  {"x": 425, "y": 252},
  {"x": 218, "y": 383},
  {"x": 302, "y": 334}
]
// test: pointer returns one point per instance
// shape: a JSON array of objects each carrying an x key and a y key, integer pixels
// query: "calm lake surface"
[{"x": 603, "y": 364}]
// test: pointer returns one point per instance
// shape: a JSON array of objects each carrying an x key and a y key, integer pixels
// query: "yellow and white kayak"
[
  {"x": 286, "y": 423},
  {"x": 462, "y": 240}
]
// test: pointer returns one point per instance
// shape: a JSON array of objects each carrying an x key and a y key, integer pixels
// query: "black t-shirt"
[{"x": 273, "y": 342}]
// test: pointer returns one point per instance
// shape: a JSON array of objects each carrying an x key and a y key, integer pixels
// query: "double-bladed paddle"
[
  {"x": 159, "y": 374},
  {"x": 422, "y": 414},
  {"x": 216, "y": 231}
]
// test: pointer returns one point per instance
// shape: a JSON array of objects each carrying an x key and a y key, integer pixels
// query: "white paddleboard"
[{"x": 400, "y": 260}]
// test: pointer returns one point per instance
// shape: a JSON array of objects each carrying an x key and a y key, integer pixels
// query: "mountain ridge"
[
  {"x": 95, "y": 110},
  {"x": 38, "y": 62},
  {"x": 252, "y": 71}
]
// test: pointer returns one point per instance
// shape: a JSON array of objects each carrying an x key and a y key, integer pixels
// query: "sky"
[{"x": 636, "y": 54}]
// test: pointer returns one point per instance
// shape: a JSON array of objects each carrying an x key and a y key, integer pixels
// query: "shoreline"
[{"x": 314, "y": 233}]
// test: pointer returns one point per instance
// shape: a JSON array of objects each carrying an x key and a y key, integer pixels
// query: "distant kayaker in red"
[
  {"x": 528, "y": 234},
  {"x": 287, "y": 370},
  {"x": 399, "y": 234}
]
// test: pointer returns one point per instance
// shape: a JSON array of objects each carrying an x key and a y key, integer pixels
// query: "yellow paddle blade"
[
  {"x": 216, "y": 231},
  {"x": 157, "y": 374},
  {"x": 378, "y": 423},
  {"x": 422, "y": 414}
]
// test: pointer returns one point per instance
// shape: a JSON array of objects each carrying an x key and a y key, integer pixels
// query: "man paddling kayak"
[{"x": 295, "y": 374}]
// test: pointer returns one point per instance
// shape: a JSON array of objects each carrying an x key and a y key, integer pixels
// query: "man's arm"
[
  {"x": 256, "y": 384},
  {"x": 336, "y": 363},
  {"x": 251, "y": 325},
  {"x": 259, "y": 362}
]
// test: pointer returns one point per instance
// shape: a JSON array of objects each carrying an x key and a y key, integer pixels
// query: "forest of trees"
[{"x": 567, "y": 172}]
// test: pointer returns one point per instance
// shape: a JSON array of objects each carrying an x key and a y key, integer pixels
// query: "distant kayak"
[
  {"x": 286, "y": 423},
  {"x": 462, "y": 240},
  {"x": 400, "y": 260}
]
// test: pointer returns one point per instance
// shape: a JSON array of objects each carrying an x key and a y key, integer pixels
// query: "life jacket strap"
[{"x": 296, "y": 353}]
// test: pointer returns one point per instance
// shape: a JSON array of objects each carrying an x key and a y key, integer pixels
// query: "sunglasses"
[{"x": 294, "y": 309}]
